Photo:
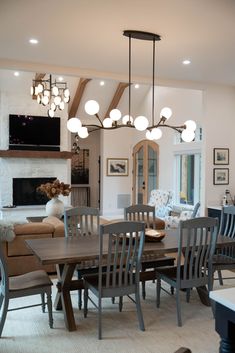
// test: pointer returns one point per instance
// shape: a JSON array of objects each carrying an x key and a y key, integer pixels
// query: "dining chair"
[
  {"x": 224, "y": 259},
  {"x": 146, "y": 213},
  {"x": 196, "y": 246},
  {"x": 31, "y": 283},
  {"x": 82, "y": 221},
  {"x": 122, "y": 260}
]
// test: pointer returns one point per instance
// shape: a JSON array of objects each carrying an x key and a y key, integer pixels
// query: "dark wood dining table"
[{"x": 67, "y": 252}]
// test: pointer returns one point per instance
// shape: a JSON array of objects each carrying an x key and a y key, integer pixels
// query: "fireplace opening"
[{"x": 25, "y": 193}]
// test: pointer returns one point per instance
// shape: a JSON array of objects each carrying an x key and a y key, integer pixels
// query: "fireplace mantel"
[{"x": 35, "y": 154}]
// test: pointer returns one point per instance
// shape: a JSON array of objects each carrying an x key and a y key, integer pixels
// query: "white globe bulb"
[
  {"x": 107, "y": 122},
  {"x": 40, "y": 88},
  {"x": 115, "y": 114},
  {"x": 149, "y": 135},
  {"x": 74, "y": 124},
  {"x": 66, "y": 99},
  {"x": 51, "y": 113},
  {"x": 61, "y": 105},
  {"x": 141, "y": 123},
  {"x": 39, "y": 99},
  {"x": 126, "y": 119},
  {"x": 57, "y": 100},
  {"x": 190, "y": 125},
  {"x": 156, "y": 133},
  {"x": 46, "y": 92},
  {"x": 166, "y": 112},
  {"x": 45, "y": 100},
  {"x": 66, "y": 93},
  {"x": 83, "y": 132},
  {"x": 92, "y": 107},
  {"x": 53, "y": 106},
  {"x": 32, "y": 90},
  {"x": 188, "y": 135},
  {"x": 55, "y": 90}
]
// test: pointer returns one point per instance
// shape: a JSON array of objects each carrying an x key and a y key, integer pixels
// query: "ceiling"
[{"x": 84, "y": 38}]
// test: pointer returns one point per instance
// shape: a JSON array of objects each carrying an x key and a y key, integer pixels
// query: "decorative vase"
[{"x": 55, "y": 207}]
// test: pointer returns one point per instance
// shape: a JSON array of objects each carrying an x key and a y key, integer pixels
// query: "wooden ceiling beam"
[
  {"x": 78, "y": 96},
  {"x": 117, "y": 96}
]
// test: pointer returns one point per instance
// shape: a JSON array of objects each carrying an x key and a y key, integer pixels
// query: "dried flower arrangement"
[{"x": 54, "y": 189}]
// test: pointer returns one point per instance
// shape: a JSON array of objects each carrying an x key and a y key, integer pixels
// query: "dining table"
[{"x": 68, "y": 252}]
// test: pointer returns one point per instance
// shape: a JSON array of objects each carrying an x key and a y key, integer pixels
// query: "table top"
[
  {"x": 225, "y": 297},
  {"x": 77, "y": 249}
]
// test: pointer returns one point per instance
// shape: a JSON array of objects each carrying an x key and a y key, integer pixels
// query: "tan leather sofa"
[{"x": 19, "y": 258}]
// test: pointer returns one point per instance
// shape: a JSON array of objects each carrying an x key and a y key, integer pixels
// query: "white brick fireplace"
[{"x": 27, "y": 167}]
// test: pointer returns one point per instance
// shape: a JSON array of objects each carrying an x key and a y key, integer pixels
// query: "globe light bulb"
[
  {"x": 127, "y": 119},
  {"x": 61, "y": 105},
  {"x": 156, "y": 133},
  {"x": 188, "y": 135},
  {"x": 107, "y": 122},
  {"x": 57, "y": 100},
  {"x": 53, "y": 106},
  {"x": 166, "y": 113},
  {"x": 83, "y": 132},
  {"x": 74, "y": 124},
  {"x": 149, "y": 135},
  {"x": 66, "y": 99},
  {"x": 32, "y": 90},
  {"x": 55, "y": 91},
  {"x": 45, "y": 100},
  {"x": 115, "y": 114},
  {"x": 190, "y": 125},
  {"x": 39, "y": 99},
  {"x": 66, "y": 93},
  {"x": 92, "y": 107},
  {"x": 141, "y": 123},
  {"x": 46, "y": 92},
  {"x": 51, "y": 113},
  {"x": 40, "y": 88}
]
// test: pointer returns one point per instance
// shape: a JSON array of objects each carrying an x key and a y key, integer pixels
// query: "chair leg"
[
  {"x": 178, "y": 307},
  {"x": 139, "y": 310},
  {"x": 3, "y": 302},
  {"x": 120, "y": 303},
  {"x": 220, "y": 277},
  {"x": 85, "y": 301},
  {"x": 172, "y": 290},
  {"x": 99, "y": 318},
  {"x": 49, "y": 306},
  {"x": 143, "y": 290},
  {"x": 113, "y": 300},
  {"x": 43, "y": 302},
  {"x": 188, "y": 290},
  {"x": 158, "y": 292},
  {"x": 79, "y": 292}
]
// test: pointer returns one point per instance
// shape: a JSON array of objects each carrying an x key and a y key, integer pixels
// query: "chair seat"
[
  {"x": 35, "y": 279},
  {"x": 223, "y": 260}
]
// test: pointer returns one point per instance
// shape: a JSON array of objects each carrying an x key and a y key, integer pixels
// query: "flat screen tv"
[{"x": 38, "y": 133}]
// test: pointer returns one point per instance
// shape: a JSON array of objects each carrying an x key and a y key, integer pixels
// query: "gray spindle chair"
[
  {"x": 196, "y": 247},
  {"x": 31, "y": 283},
  {"x": 225, "y": 258},
  {"x": 121, "y": 246},
  {"x": 146, "y": 213},
  {"x": 82, "y": 221}
]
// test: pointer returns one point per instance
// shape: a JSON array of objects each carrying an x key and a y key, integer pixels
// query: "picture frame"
[
  {"x": 221, "y": 176},
  {"x": 117, "y": 166},
  {"x": 221, "y": 156}
]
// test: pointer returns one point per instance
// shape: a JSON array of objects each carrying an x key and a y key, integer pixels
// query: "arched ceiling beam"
[
  {"x": 117, "y": 96},
  {"x": 78, "y": 96}
]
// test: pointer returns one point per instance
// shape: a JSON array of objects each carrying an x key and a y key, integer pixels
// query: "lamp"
[
  {"x": 55, "y": 94},
  {"x": 141, "y": 123}
]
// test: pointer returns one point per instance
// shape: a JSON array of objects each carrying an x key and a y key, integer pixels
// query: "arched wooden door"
[{"x": 145, "y": 170}]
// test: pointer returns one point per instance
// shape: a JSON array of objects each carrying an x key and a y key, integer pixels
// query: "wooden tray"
[{"x": 152, "y": 235}]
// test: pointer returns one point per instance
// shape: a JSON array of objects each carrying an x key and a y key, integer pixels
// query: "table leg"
[
  {"x": 63, "y": 298},
  {"x": 57, "y": 303}
]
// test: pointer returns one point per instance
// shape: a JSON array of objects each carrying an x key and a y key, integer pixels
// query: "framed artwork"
[
  {"x": 221, "y": 176},
  {"x": 117, "y": 166},
  {"x": 221, "y": 156},
  {"x": 80, "y": 167}
]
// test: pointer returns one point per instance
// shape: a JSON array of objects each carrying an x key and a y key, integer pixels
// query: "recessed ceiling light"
[
  {"x": 101, "y": 83},
  {"x": 33, "y": 41},
  {"x": 16, "y": 73},
  {"x": 60, "y": 78},
  {"x": 137, "y": 85},
  {"x": 186, "y": 62}
]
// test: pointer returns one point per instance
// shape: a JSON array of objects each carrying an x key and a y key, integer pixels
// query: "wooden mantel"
[{"x": 35, "y": 154}]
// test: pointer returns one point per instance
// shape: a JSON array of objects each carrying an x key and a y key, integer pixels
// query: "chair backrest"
[
  {"x": 80, "y": 221},
  {"x": 196, "y": 247},
  {"x": 227, "y": 221},
  {"x": 140, "y": 212},
  {"x": 195, "y": 210},
  {"x": 162, "y": 201},
  {"x": 125, "y": 241}
]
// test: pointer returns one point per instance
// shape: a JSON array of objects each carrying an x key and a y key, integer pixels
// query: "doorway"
[{"x": 145, "y": 170}]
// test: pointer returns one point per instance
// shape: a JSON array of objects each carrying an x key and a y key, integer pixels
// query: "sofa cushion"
[
  {"x": 57, "y": 224},
  {"x": 33, "y": 228},
  {"x": 18, "y": 246}
]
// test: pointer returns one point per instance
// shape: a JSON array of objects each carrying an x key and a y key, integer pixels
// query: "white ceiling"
[{"x": 84, "y": 38}]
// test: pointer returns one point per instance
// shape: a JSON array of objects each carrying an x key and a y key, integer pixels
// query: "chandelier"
[
  {"x": 115, "y": 120},
  {"x": 52, "y": 94}
]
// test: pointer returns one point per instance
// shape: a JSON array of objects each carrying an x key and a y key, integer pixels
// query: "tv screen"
[{"x": 27, "y": 132}]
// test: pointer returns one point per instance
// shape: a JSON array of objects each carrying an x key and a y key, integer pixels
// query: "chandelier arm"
[
  {"x": 97, "y": 116},
  {"x": 129, "y": 103},
  {"x": 153, "y": 88}
]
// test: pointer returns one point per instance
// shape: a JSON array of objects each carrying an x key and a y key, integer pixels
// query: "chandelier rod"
[{"x": 153, "y": 88}]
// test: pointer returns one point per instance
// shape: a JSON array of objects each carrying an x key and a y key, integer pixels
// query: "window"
[{"x": 188, "y": 178}]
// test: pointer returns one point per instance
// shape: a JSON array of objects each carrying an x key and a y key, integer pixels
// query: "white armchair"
[
  {"x": 182, "y": 213},
  {"x": 162, "y": 201}
]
